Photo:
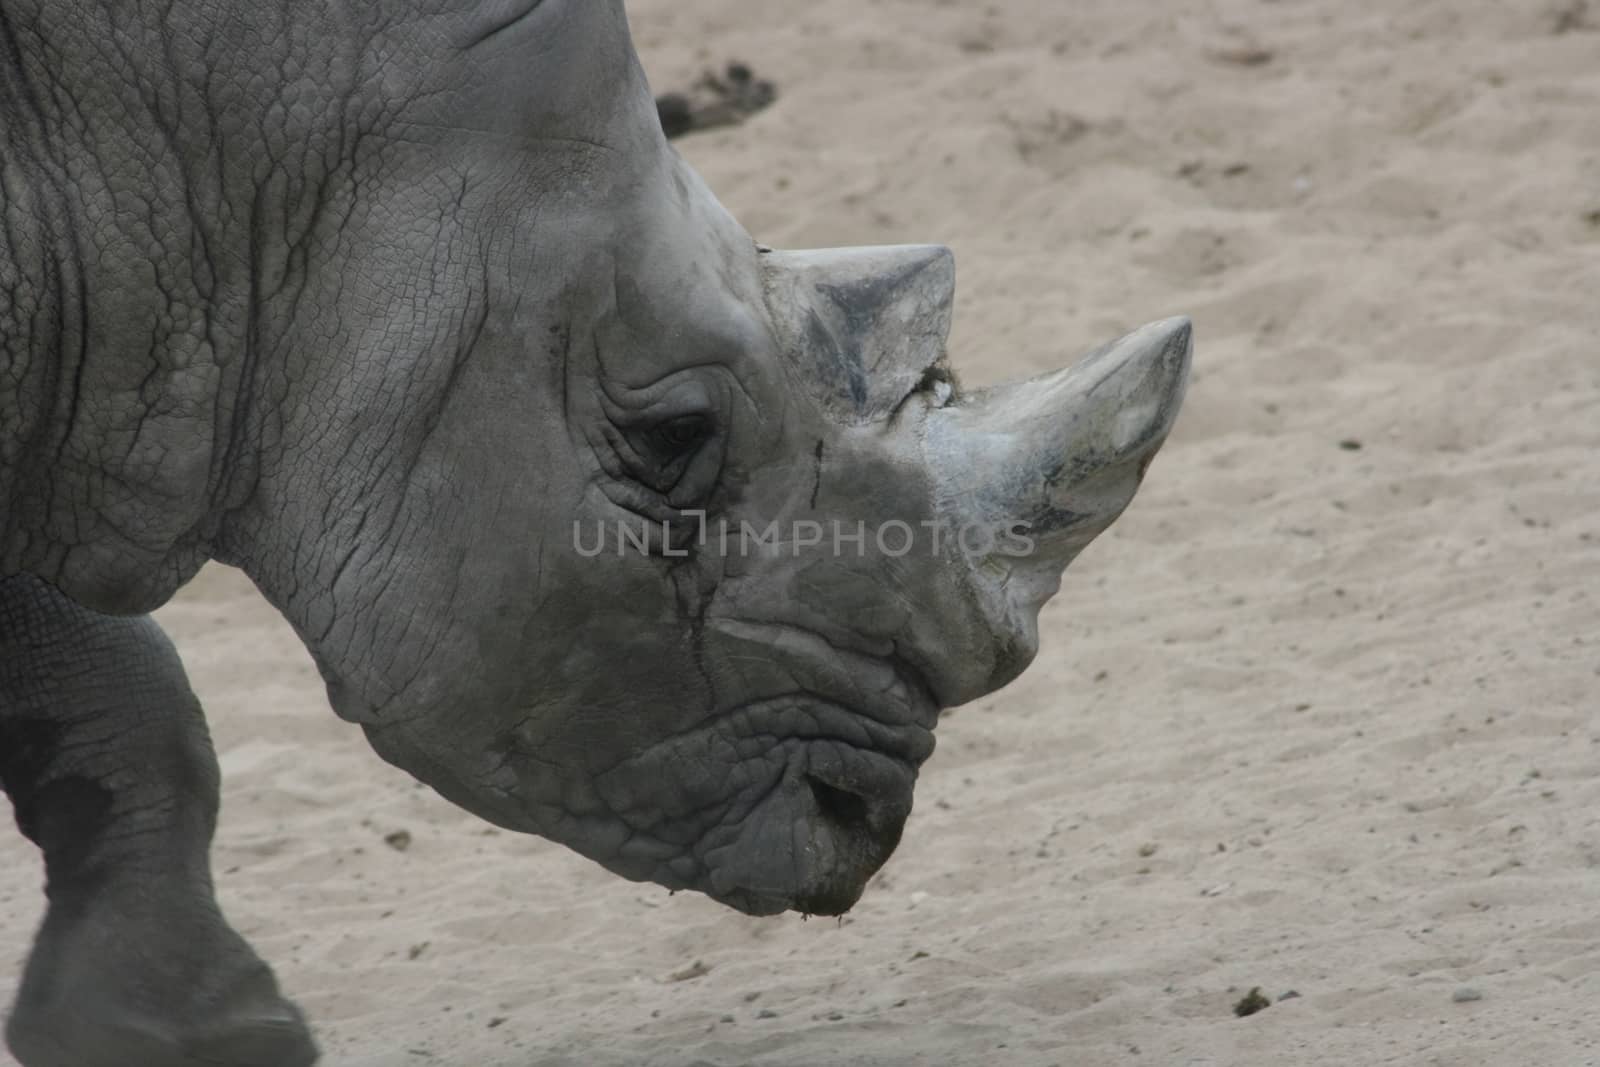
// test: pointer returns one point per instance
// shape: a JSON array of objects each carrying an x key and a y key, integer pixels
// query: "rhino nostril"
[{"x": 839, "y": 805}]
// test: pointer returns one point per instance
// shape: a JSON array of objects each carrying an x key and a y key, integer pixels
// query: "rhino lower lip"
[{"x": 853, "y": 804}]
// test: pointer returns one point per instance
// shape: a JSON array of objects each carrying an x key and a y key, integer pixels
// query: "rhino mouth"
[
  {"x": 829, "y": 817},
  {"x": 787, "y": 803},
  {"x": 845, "y": 749}
]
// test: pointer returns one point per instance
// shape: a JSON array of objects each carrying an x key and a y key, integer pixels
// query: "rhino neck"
[
  {"x": 153, "y": 233},
  {"x": 252, "y": 258}
]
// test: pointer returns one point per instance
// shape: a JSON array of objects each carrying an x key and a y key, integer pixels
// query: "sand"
[{"x": 1321, "y": 714}]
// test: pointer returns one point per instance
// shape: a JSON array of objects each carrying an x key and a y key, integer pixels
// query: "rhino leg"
[{"x": 105, "y": 755}]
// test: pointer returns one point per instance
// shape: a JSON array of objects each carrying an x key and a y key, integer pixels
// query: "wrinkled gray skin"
[{"x": 394, "y": 306}]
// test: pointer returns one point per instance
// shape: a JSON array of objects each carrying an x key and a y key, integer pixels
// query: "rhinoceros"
[{"x": 602, "y": 520}]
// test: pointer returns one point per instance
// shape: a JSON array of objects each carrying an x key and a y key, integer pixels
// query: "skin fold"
[{"x": 592, "y": 512}]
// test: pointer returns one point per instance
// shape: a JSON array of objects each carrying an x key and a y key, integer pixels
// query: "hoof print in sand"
[{"x": 725, "y": 99}]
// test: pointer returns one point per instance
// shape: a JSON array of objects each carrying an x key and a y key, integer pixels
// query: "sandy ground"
[{"x": 1321, "y": 714}]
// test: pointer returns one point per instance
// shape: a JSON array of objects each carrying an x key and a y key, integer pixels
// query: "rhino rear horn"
[{"x": 865, "y": 323}]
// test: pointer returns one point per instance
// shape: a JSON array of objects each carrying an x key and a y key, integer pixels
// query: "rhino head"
[{"x": 615, "y": 527}]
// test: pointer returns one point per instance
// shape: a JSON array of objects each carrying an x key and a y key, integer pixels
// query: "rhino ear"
[{"x": 863, "y": 324}]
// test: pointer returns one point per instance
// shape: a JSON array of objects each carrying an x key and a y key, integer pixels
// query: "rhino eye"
[
  {"x": 670, "y": 455},
  {"x": 679, "y": 435}
]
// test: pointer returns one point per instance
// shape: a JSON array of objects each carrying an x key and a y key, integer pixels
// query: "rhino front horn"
[{"x": 1055, "y": 459}]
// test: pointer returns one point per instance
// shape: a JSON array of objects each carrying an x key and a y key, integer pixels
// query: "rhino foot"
[
  {"x": 264, "y": 1042},
  {"x": 103, "y": 991},
  {"x": 114, "y": 982},
  {"x": 258, "y": 1043}
]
